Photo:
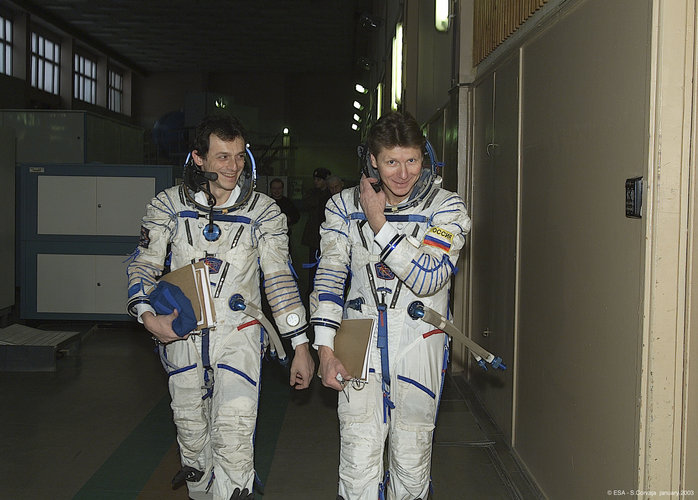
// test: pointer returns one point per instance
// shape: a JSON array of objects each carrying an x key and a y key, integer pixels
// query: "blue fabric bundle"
[{"x": 166, "y": 298}]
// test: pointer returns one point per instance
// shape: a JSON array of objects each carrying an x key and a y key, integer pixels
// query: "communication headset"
[
  {"x": 367, "y": 167},
  {"x": 422, "y": 185},
  {"x": 196, "y": 179}
]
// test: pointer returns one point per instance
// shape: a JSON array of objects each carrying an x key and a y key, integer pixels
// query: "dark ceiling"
[{"x": 284, "y": 36}]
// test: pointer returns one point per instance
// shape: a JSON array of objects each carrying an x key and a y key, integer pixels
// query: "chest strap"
[{"x": 193, "y": 214}]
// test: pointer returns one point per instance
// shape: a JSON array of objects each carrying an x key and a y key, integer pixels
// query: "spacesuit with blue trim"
[
  {"x": 412, "y": 256},
  {"x": 214, "y": 377}
]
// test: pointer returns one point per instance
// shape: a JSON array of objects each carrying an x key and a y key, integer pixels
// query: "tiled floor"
[{"x": 100, "y": 428}]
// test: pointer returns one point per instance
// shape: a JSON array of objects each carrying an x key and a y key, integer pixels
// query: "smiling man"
[
  {"x": 399, "y": 234},
  {"x": 217, "y": 218}
]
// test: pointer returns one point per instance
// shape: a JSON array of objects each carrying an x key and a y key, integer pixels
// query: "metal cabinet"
[
  {"x": 78, "y": 224},
  {"x": 80, "y": 283},
  {"x": 102, "y": 205}
]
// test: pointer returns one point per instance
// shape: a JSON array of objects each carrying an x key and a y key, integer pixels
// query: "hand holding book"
[{"x": 352, "y": 345}]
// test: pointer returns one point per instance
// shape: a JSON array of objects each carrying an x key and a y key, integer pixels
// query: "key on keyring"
[{"x": 344, "y": 383}]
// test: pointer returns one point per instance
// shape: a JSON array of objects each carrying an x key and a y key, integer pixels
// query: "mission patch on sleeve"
[
  {"x": 144, "y": 239},
  {"x": 439, "y": 238}
]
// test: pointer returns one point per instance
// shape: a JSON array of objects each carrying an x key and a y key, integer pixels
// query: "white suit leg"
[
  {"x": 362, "y": 434},
  {"x": 190, "y": 412},
  {"x": 237, "y": 368},
  {"x": 416, "y": 388}
]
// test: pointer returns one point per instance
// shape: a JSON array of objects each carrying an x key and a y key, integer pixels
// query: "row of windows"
[{"x": 46, "y": 65}]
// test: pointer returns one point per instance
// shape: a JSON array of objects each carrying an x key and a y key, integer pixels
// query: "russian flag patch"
[{"x": 438, "y": 238}]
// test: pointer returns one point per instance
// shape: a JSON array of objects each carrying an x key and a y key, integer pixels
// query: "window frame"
[
  {"x": 113, "y": 91},
  {"x": 39, "y": 61},
  {"x": 85, "y": 77},
  {"x": 6, "y": 44}
]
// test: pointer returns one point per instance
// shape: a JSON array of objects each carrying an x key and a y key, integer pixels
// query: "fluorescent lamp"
[
  {"x": 396, "y": 87},
  {"x": 441, "y": 15},
  {"x": 379, "y": 100}
]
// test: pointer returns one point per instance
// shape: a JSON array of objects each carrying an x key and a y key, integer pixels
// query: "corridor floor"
[{"x": 100, "y": 428}]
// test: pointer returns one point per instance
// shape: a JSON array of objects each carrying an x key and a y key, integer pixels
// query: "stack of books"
[{"x": 194, "y": 282}]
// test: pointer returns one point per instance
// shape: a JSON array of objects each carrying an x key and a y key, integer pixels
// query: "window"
[
  {"x": 85, "y": 79},
  {"x": 116, "y": 90},
  {"x": 5, "y": 46},
  {"x": 45, "y": 64}
]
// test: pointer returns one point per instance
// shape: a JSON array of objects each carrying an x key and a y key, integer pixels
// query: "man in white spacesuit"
[
  {"x": 214, "y": 375},
  {"x": 395, "y": 237}
]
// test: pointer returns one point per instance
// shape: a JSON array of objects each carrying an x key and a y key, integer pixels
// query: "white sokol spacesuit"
[
  {"x": 214, "y": 377},
  {"x": 412, "y": 256}
]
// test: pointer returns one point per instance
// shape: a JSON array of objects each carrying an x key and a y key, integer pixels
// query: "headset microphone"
[
  {"x": 195, "y": 180},
  {"x": 209, "y": 176}
]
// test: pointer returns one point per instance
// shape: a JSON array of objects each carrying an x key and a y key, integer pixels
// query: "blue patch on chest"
[
  {"x": 383, "y": 271},
  {"x": 214, "y": 265}
]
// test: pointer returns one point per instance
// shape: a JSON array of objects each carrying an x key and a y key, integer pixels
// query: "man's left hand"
[{"x": 302, "y": 367}]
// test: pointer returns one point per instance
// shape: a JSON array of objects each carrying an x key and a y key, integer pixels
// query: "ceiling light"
[
  {"x": 365, "y": 63},
  {"x": 369, "y": 23},
  {"x": 360, "y": 88}
]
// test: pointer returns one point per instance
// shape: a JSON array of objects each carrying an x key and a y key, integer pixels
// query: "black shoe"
[
  {"x": 242, "y": 495},
  {"x": 186, "y": 473}
]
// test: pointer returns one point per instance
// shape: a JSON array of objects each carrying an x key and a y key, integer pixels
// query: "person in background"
[
  {"x": 276, "y": 190},
  {"x": 214, "y": 375},
  {"x": 335, "y": 184},
  {"x": 314, "y": 204},
  {"x": 399, "y": 243}
]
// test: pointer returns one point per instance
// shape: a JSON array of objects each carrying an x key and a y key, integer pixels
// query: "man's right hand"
[
  {"x": 330, "y": 366},
  {"x": 372, "y": 203},
  {"x": 161, "y": 326}
]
